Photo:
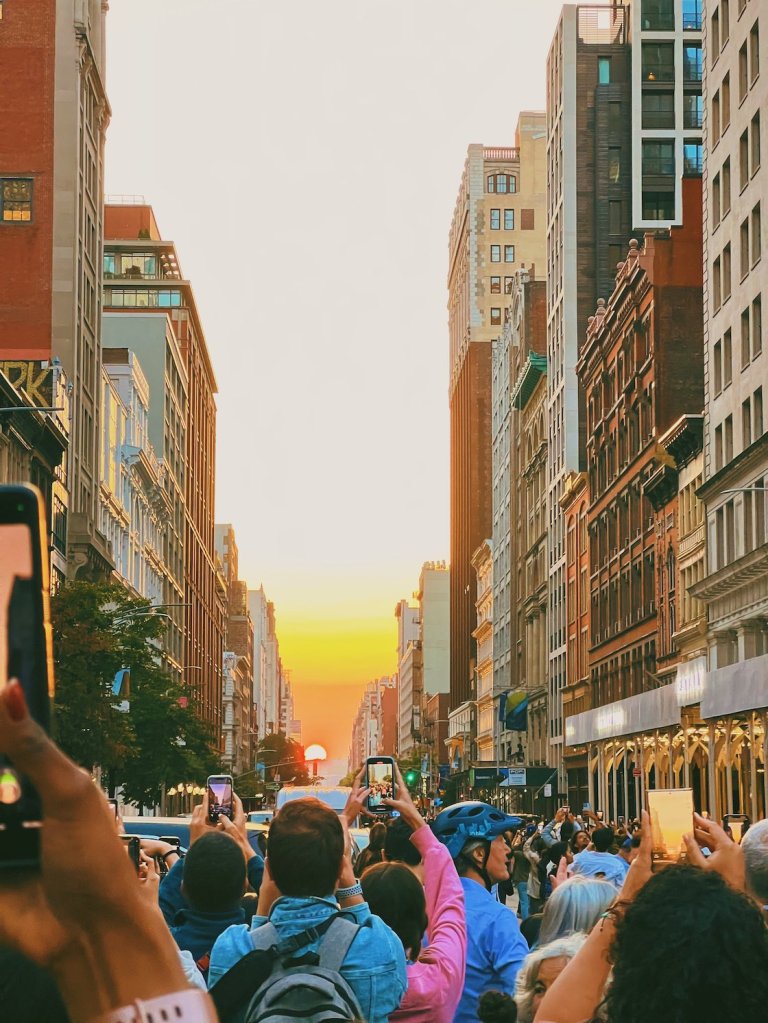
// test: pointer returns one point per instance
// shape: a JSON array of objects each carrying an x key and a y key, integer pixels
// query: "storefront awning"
[
  {"x": 645, "y": 712},
  {"x": 739, "y": 687}
]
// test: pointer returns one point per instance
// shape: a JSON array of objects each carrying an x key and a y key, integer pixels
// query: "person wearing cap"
[
  {"x": 473, "y": 833},
  {"x": 628, "y": 851}
]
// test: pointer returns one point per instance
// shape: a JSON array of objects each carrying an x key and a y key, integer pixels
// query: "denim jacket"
[{"x": 375, "y": 963}]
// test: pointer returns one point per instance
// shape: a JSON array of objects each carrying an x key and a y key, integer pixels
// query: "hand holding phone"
[
  {"x": 25, "y": 655},
  {"x": 220, "y": 793},
  {"x": 380, "y": 781}
]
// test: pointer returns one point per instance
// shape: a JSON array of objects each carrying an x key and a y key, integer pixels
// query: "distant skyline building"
[
  {"x": 142, "y": 275},
  {"x": 409, "y": 674},
  {"x": 498, "y": 226}
]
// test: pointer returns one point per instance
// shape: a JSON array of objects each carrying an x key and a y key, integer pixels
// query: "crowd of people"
[{"x": 479, "y": 915}]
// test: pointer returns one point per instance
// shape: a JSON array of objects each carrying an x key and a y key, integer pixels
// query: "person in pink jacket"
[{"x": 435, "y": 971}]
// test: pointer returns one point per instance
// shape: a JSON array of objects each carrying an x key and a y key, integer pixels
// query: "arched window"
[
  {"x": 671, "y": 570},
  {"x": 501, "y": 183}
]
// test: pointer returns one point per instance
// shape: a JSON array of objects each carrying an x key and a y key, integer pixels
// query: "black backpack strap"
[
  {"x": 234, "y": 990},
  {"x": 335, "y": 945}
]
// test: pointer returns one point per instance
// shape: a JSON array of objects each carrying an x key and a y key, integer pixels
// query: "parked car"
[{"x": 261, "y": 816}]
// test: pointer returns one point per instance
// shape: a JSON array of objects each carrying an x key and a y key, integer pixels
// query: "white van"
[{"x": 335, "y": 797}]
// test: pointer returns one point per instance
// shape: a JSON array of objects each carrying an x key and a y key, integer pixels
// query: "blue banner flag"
[{"x": 516, "y": 718}]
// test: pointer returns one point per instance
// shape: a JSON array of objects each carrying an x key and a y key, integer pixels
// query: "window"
[
  {"x": 658, "y": 158},
  {"x": 754, "y": 53},
  {"x": 728, "y": 439},
  {"x": 727, "y": 272},
  {"x": 508, "y": 285},
  {"x": 743, "y": 73},
  {"x": 658, "y": 205},
  {"x": 714, "y": 35},
  {"x": 509, "y": 253},
  {"x": 726, "y": 198},
  {"x": 755, "y": 139},
  {"x": 495, "y": 285},
  {"x": 725, "y": 26},
  {"x": 495, "y": 317},
  {"x": 16, "y": 196},
  {"x": 717, "y": 294},
  {"x": 614, "y": 164},
  {"x": 727, "y": 359},
  {"x": 757, "y": 327},
  {"x": 718, "y": 448},
  {"x": 726, "y": 104},
  {"x": 495, "y": 253},
  {"x": 745, "y": 351},
  {"x": 658, "y": 61},
  {"x": 495, "y": 220},
  {"x": 717, "y": 361},
  {"x": 603, "y": 70},
  {"x": 659, "y": 110},
  {"x": 693, "y": 111},
  {"x": 716, "y": 118},
  {"x": 658, "y": 15},
  {"x": 757, "y": 412},
  {"x": 691, "y": 15},
  {"x": 756, "y": 234},
  {"x": 614, "y": 216},
  {"x": 527, "y": 220},
  {"x": 716, "y": 200},
  {"x": 509, "y": 220},
  {"x": 691, "y": 62},
  {"x": 744, "y": 238},
  {"x": 743, "y": 161},
  {"x": 501, "y": 183},
  {"x": 746, "y": 423},
  {"x": 693, "y": 157}
]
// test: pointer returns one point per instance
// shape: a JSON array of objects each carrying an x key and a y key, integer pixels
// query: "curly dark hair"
[
  {"x": 496, "y": 1007},
  {"x": 688, "y": 950}
]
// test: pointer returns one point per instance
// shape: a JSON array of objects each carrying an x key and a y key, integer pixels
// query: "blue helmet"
[{"x": 460, "y": 823}]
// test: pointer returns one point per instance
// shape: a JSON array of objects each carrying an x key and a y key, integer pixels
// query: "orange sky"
[{"x": 330, "y": 660}]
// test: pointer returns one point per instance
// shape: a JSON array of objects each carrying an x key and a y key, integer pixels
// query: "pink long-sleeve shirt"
[{"x": 436, "y": 979}]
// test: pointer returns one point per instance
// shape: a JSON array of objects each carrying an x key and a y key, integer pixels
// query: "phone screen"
[
  {"x": 219, "y": 797},
  {"x": 380, "y": 779},
  {"x": 133, "y": 845},
  {"x": 24, "y": 655},
  {"x": 671, "y": 813}
]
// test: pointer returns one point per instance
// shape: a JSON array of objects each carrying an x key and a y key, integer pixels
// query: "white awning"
[
  {"x": 645, "y": 712},
  {"x": 739, "y": 687}
]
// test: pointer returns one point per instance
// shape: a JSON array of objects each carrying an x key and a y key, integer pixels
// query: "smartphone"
[
  {"x": 133, "y": 842},
  {"x": 25, "y": 654},
  {"x": 219, "y": 797},
  {"x": 671, "y": 812},
  {"x": 599, "y": 815},
  {"x": 738, "y": 823},
  {"x": 380, "y": 779},
  {"x": 115, "y": 810}
]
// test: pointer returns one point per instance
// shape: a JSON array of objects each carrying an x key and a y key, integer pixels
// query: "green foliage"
[
  {"x": 276, "y": 749},
  {"x": 348, "y": 778},
  {"x": 98, "y": 628}
]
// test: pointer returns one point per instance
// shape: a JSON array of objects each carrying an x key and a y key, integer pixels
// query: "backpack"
[{"x": 269, "y": 985}]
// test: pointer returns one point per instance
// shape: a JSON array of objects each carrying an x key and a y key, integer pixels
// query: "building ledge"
[
  {"x": 684, "y": 440},
  {"x": 732, "y": 577},
  {"x": 749, "y": 459},
  {"x": 534, "y": 367}
]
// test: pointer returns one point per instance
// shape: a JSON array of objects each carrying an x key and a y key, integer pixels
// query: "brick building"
[{"x": 641, "y": 368}]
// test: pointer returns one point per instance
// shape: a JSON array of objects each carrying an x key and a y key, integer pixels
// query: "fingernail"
[{"x": 15, "y": 701}]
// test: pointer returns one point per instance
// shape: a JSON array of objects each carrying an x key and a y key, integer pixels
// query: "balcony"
[{"x": 691, "y": 542}]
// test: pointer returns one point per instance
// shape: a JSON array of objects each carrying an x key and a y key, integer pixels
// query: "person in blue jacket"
[
  {"x": 474, "y": 835},
  {"x": 308, "y": 875}
]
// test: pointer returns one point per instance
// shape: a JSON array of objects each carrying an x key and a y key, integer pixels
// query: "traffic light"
[{"x": 411, "y": 778}]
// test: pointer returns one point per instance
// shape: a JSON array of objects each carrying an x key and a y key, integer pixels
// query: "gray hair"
[
  {"x": 529, "y": 971},
  {"x": 575, "y": 905},
  {"x": 755, "y": 847}
]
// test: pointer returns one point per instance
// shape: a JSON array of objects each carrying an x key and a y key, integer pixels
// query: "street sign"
[
  {"x": 636, "y": 772},
  {"x": 273, "y": 786},
  {"x": 547, "y": 791}
]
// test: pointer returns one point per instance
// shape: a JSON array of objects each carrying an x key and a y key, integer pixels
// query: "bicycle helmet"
[{"x": 460, "y": 823}]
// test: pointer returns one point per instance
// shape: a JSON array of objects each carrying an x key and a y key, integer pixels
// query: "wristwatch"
[
  {"x": 348, "y": 893},
  {"x": 188, "y": 1006}
]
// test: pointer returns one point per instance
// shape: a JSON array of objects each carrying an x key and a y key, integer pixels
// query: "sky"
[{"x": 305, "y": 158}]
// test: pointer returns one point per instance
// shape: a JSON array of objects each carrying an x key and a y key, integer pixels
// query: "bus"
[{"x": 335, "y": 797}]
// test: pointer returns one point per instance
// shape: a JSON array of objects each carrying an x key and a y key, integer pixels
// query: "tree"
[
  {"x": 98, "y": 629},
  {"x": 286, "y": 756}
]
